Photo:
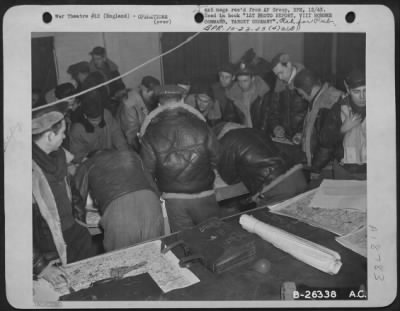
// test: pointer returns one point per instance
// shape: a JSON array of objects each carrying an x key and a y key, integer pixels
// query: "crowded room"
[{"x": 186, "y": 139}]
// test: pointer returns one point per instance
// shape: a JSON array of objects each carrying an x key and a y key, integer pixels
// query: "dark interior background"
[{"x": 330, "y": 55}]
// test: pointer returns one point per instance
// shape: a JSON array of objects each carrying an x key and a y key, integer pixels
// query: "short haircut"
[
  {"x": 92, "y": 104},
  {"x": 170, "y": 97},
  {"x": 306, "y": 80},
  {"x": 150, "y": 82},
  {"x": 64, "y": 90}
]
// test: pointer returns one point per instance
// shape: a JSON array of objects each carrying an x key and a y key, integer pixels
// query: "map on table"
[
  {"x": 356, "y": 241},
  {"x": 340, "y": 221},
  {"x": 142, "y": 258}
]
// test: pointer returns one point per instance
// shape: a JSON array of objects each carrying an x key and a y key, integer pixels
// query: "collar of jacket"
[
  {"x": 282, "y": 85},
  {"x": 260, "y": 89},
  {"x": 169, "y": 106},
  {"x": 327, "y": 96},
  {"x": 228, "y": 127},
  {"x": 43, "y": 196}
]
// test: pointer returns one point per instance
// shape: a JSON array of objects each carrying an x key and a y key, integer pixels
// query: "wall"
[
  {"x": 127, "y": 50},
  {"x": 74, "y": 47},
  {"x": 267, "y": 45}
]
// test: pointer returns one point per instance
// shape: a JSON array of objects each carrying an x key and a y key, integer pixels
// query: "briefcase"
[{"x": 220, "y": 246}]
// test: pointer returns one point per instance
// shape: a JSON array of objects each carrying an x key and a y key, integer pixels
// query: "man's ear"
[{"x": 49, "y": 136}]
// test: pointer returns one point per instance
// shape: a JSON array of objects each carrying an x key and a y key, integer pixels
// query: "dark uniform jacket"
[
  {"x": 248, "y": 155},
  {"x": 110, "y": 174},
  {"x": 179, "y": 149},
  {"x": 325, "y": 138},
  {"x": 287, "y": 108}
]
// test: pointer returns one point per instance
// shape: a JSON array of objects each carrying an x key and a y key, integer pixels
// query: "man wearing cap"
[
  {"x": 180, "y": 151},
  {"x": 229, "y": 112},
  {"x": 95, "y": 128},
  {"x": 320, "y": 138},
  {"x": 135, "y": 106},
  {"x": 57, "y": 237},
  {"x": 109, "y": 70},
  {"x": 352, "y": 163},
  {"x": 287, "y": 108},
  {"x": 250, "y": 97},
  {"x": 200, "y": 99}
]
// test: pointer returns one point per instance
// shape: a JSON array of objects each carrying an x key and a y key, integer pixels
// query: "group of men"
[{"x": 129, "y": 148}]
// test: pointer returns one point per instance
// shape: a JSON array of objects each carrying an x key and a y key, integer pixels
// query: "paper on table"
[
  {"x": 345, "y": 194},
  {"x": 163, "y": 268},
  {"x": 356, "y": 241},
  {"x": 339, "y": 221},
  {"x": 309, "y": 252}
]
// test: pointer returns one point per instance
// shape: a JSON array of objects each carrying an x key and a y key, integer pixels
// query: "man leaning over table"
[{"x": 180, "y": 151}]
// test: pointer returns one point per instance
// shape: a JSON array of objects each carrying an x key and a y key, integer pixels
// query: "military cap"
[
  {"x": 227, "y": 67},
  {"x": 98, "y": 50},
  {"x": 74, "y": 69},
  {"x": 44, "y": 121},
  {"x": 355, "y": 78},
  {"x": 244, "y": 70},
  {"x": 282, "y": 58}
]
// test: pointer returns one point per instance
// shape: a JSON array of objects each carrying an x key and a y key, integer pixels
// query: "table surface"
[{"x": 244, "y": 283}]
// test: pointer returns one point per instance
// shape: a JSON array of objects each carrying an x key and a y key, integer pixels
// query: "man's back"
[{"x": 179, "y": 149}]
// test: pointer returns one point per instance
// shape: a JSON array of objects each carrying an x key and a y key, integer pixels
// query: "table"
[{"x": 243, "y": 283}]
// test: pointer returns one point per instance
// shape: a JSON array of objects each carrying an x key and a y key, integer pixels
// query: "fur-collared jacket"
[
  {"x": 259, "y": 103},
  {"x": 46, "y": 219},
  {"x": 179, "y": 149}
]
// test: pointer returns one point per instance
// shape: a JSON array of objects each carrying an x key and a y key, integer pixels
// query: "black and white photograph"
[{"x": 199, "y": 167}]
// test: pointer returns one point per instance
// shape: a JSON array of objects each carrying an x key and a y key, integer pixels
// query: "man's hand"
[
  {"x": 296, "y": 139},
  {"x": 53, "y": 274},
  {"x": 279, "y": 131},
  {"x": 350, "y": 122},
  {"x": 72, "y": 169}
]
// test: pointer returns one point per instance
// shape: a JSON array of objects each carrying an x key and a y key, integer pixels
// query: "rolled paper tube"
[{"x": 308, "y": 252}]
